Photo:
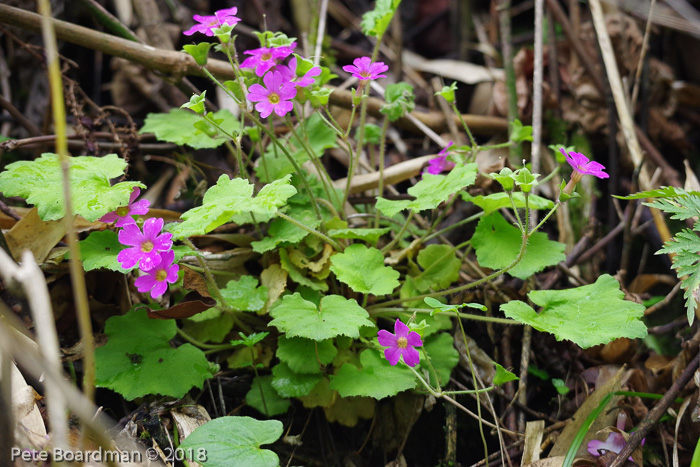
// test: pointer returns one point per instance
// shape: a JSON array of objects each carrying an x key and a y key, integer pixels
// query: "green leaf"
[
  {"x": 363, "y": 270},
  {"x": 524, "y": 179},
  {"x": 560, "y": 386},
  {"x": 234, "y": 441},
  {"x": 400, "y": 100},
  {"x": 178, "y": 126},
  {"x": 228, "y": 198},
  {"x": 213, "y": 328},
  {"x": 290, "y": 384},
  {"x": 284, "y": 232},
  {"x": 40, "y": 182},
  {"x": 431, "y": 191},
  {"x": 251, "y": 339},
  {"x": 370, "y": 236},
  {"x": 440, "y": 267},
  {"x": 138, "y": 359},
  {"x": 336, "y": 316},
  {"x": 377, "y": 378},
  {"x": 244, "y": 294},
  {"x": 196, "y": 103},
  {"x": 663, "y": 192},
  {"x": 684, "y": 248},
  {"x": 497, "y": 244},
  {"x": 375, "y": 22},
  {"x": 301, "y": 354},
  {"x": 100, "y": 249},
  {"x": 443, "y": 355},
  {"x": 502, "y": 375},
  {"x": 589, "y": 315},
  {"x": 520, "y": 133},
  {"x": 681, "y": 207},
  {"x": 496, "y": 201},
  {"x": 263, "y": 397},
  {"x": 318, "y": 137}
]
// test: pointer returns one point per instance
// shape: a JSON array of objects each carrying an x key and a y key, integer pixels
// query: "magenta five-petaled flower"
[
  {"x": 156, "y": 280},
  {"x": 122, "y": 215},
  {"x": 289, "y": 74},
  {"x": 402, "y": 342},
  {"x": 615, "y": 441},
  {"x": 440, "y": 163},
  {"x": 275, "y": 96},
  {"x": 209, "y": 23},
  {"x": 582, "y": 165},
  {"x": 363, "y": 69},
  {"x": 146, "y": 246},
  {"x": 265, "y": 58}
]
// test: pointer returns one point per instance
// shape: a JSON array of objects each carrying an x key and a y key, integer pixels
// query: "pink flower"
[
  {"x": 363, "y": 69},
  {"x": 146, "y": 247},
  {"x": 277, "y": 96},
  {"x": 402, "y": 342},
  {"x": 265, "y": 58},
  {"x": 123, "y": 214},
  {"x": 583, "y": 165},
  {"x": 440, "y": 163},
  {"x": 615, "y": 441},
  {"x": 157, "y": 279},
  {"x": 209, "y": 23},
  {"x": 289, "y": 73}
]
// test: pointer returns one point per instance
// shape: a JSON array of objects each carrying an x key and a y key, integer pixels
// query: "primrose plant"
[{"x": 328, "y": 279}]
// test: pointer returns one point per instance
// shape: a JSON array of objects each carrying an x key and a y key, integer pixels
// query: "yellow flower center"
[
  {"x": 147, "y": 247},
  {"x": 161, "y": 275},
  {"x": 401, "y": 342},
  {"x": 122, "y": 211},
  {"x": 274, "y": 98},
  {"x": 266, "y": 56}
]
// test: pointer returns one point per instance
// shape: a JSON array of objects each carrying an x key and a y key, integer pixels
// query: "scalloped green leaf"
[
  {"x": 234, "y": 441},
  {"x": 287, "y": 383},
  {"x": 304, "y": 355},
  {"x": 440, "y": 267},
  {"x": 370, "y": 236},
  {"x": 363, "y": 270},
  {"x": 264, "y": 398},
  {"x": 244, "y": 294},
  {"x": 138, "y": 359},
  {"x": 281, "y": 231},
  {"x": 431, "y": 191},
  {"x": 99, "y": 251},
  {"x": 496, "y": 201},
  {"x": 335, "y": 316},
  {"x": 229, "y": 198},
  {"x": 375, "y": 22},
  {"x": 377, "y": 378},
  {"x": 40, "y": 182},
  {"x": 497, "y": 244},
  {"x": 178, "y": 126},
  {"x": 589, "y": 315}
]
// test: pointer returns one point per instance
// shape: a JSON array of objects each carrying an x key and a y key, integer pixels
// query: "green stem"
[
  {"x": 397, "y": 311},
  {"x": 472, "y": 141},
  {"x": 515, "y": 211},
  {"x": 382, "y": 149},
  {"x": 453, "y": 226},
  {"x": 355, "y": 155},
  {"x": 549, "y": 214},
  {"x": 398, "y": 236},
  {"x": 316, "y": 233},
  {"x": 209, "y": 277},
  {"x": 202, "y": 345}
]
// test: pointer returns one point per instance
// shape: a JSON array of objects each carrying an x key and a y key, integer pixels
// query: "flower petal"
[
  {"x": 386, "y": 339},
  {"x": 411, "y": 357},
  {"x": 400, "y": 329},
  {"x": 392, "y": 354},
  {"x": 414, "y": 339}
]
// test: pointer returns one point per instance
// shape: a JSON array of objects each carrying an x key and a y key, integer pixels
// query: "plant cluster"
[{"x": 311, "y": 324}]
